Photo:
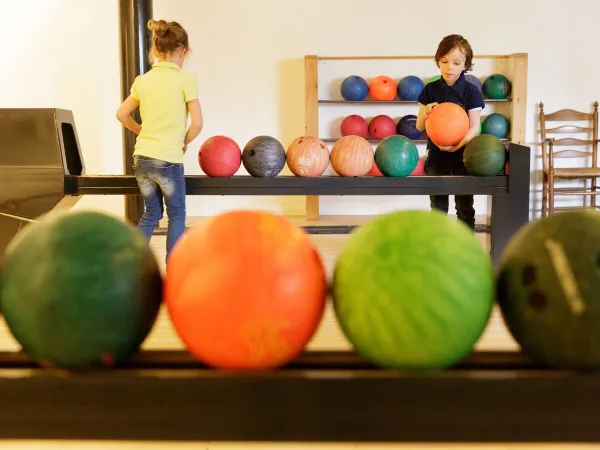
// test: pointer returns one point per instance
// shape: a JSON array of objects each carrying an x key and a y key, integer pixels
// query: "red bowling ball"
[
  {"x": 382, "y": 126},
  {"x": 354, "y": 125},
  {"x": 220, "y": 156},
  {"x": 420, "y": 169}
]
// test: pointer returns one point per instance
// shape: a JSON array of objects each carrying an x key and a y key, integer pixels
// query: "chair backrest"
[{"x": 549, "y": 140}]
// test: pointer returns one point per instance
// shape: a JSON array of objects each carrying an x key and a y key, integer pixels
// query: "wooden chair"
[{"x": 587, "y": 150}]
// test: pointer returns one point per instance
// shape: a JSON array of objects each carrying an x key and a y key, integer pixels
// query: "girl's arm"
[
  {"x": 197, "y": 122},
  {"x": 124, "y": 115}
]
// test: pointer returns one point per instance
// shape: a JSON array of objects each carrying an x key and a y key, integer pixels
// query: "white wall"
[
  {"x": 248, "y": 57},
  {"x": 65, "y": 54}
]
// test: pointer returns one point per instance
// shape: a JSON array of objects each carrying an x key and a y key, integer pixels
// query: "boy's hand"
[
  {"x": 453, "y": 148},
  {"x": 429, "y": 108},
  {"x": 450, "y": 148},
  {"x": 185, "y": 148}
]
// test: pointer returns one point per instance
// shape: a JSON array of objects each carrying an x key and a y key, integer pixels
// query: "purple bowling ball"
[
  {"x": 474, "y": 81},
  {"x": 407, "y": 126}
]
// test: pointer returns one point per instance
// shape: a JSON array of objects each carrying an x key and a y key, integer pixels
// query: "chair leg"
[
  {"x": 550, "y": 193},
  {"x": 593, "y": 196},
  {"x": 544, "y": 194}
]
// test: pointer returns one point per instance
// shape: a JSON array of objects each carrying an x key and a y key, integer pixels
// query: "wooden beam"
[{"x": 311, "y": 121}]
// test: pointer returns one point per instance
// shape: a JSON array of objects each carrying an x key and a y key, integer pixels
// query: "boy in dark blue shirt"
[{"x": 454, "y": 57}]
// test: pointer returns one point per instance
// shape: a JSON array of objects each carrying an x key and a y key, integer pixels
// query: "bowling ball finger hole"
[
  {"x": 251, "y": 152},
  {"x": 537, "y": 300},
  {"x": 528, "y": 275}
]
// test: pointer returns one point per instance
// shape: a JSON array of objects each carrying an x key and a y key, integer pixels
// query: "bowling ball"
[
  {"x": 375, "y": 172},
  {"x": 497, "y": 125},
  {"x": 220, "y": 156},
  {"x": 407, "y": 126},
  {"x": 354, "y": 125},
  {"x": 410, "y": 87},
  {"x": 447, "y": 124},
  {"x": 80, "y": 289},
  {"x": 413, "y": 291},
  {"x": 496, "y": 87},
  {"x": 474, "y": 81},
  {"x": 396, "y": 156},
  {"x": 434, "y": 78},
  {"x": 485, "y": 156},
  {"x": 246, "y": 290},
  {"x": 420, "y": 169},
  {"x": 263, "y": 156},
  {"x": 308, "y": 157},
  {"x": 382, "y": 126},
  {"x": 352, "y": 156},
  {"x": 382, "y": 88},
  {"x": 354, "y": 88}
]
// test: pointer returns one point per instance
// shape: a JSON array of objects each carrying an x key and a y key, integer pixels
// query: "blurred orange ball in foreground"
[{"x": 246, "y": 290}]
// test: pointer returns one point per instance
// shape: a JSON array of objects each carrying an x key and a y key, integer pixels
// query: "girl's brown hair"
[
  {"x": 451, "y": 42},
  {"x": 167, "y": 37}
]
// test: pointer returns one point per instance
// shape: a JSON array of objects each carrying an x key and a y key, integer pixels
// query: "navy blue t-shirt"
[{"x": 462, "y": 93}]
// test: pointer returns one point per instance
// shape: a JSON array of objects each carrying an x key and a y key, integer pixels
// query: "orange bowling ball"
[
  {"x": 447, "y": 124},
  {"x": 352, "y": 156},
  {"x": 382, "y": 88},
  {"x": 307, "y": 157},
  {"x": 245, "y": 291}
]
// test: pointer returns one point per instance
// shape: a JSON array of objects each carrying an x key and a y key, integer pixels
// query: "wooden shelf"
[
  {"x": 392, "y": 102},
  {"x": 395, "y": 57},
  {"x": 515, "y": 66},
  {"x": 376, "y": 141}
]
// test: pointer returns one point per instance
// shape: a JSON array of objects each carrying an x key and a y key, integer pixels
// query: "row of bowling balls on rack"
[
  {"x": 383, "y": 125},
  {"x": 306, "y": 156},
  {"x": 384, "y": 88},
  {"x": 247, "y": 290}
]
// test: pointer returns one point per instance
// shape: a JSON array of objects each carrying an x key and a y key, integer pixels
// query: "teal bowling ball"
[
  {"x": 396, "y": 156},
  {"x": 496, "y": 87},
  {"x": 496, "y": 125}
]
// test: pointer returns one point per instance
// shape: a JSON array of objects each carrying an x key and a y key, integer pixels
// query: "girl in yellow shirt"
[{"x": 165, "y": 96}]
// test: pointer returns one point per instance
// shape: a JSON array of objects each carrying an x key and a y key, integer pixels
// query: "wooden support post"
[
  {"x": 519, "y": 99},
  {"x": 311, "y": 121}
]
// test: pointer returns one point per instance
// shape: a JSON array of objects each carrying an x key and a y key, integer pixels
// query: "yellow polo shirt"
[{"x": 163, "y": 93}]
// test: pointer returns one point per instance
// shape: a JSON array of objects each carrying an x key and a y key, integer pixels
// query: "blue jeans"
[{"x": 161, "y": 180}]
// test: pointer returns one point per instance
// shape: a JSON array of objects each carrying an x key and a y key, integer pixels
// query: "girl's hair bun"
[{"x": 159, "y": 27}]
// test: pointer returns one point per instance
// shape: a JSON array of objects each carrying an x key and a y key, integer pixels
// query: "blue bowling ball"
[
  {"x": 410, "y": 87},
  {"x": 354, "y": 88}
]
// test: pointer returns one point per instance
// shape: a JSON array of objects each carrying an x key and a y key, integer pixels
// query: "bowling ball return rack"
[
  {"x": 321, "y": 396},
  {"x": 42, "y": 169}
]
